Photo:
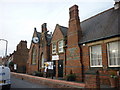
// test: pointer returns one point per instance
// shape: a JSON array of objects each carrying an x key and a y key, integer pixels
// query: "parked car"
[{"x": 5, "y": 81}]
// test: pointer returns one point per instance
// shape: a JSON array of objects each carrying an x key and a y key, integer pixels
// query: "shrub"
[
  {"x": 11, "y": 64},
  {"x": 71, "y": 77},
  {"x": 37, "y": 73}
]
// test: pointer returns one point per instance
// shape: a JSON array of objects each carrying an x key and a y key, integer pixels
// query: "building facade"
[
  {"x": 20, "y": 57},
  {"x": 58, "y": 43},
  {"x": 39, "y": 52},
  {"x": 84, "y": 47}
]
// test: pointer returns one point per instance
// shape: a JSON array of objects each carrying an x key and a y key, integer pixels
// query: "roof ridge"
[
  {"x": 96, "y": 15},
  {"x": 63, "y": 26},
  {"x": 39, "y": 32}
]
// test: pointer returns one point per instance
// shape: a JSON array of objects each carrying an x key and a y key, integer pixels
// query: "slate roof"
[
  {"x": 101, "y": 26},
  {"x": 48, "y": 38},
  {"x": 63, "y": 30},
  {"x": 38, "y": 35}
]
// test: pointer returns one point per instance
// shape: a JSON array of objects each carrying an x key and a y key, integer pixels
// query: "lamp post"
[{"x": 6, "y": 46}]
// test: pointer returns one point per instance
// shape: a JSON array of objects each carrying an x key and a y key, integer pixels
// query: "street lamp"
[{"x": 6, "y": 46}]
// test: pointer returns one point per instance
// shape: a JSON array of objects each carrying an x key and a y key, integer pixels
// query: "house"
[{"x": 20, "y": 56}]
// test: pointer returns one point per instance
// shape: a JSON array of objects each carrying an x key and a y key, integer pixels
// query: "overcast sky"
[{"x": 19, "y": 17}]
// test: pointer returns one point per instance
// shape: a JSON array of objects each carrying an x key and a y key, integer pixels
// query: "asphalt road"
[{"x": 18, "y": 83}]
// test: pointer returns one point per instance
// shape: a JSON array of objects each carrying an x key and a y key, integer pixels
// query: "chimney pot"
[
  {"x": 34, "y": 28},
  {"x": 117, "y": 4},
  {"x": 74, "y": 12}
]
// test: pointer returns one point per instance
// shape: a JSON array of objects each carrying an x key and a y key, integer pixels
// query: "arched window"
[
  {"x": 42, "y": 61},
  {"x": 34, "y": 54}
]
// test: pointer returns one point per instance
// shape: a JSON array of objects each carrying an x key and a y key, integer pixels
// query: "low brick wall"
[{"x": 49, "y": 82}]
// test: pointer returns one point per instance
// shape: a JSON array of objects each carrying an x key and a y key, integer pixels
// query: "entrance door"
[
  {"x": 54, "y": 68},
  {"x": 60, "y": 68}
]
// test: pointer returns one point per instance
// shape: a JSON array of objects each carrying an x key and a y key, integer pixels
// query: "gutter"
[{"x": 80, "y": 43}]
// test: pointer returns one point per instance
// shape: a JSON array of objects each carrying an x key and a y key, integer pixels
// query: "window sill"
[
  {"x": 114, "y": 65},
  {"x": 34, "y": 64},
  {"x": 53, "y": 52},
  {"x": 96, "y": 66},
  {"x": 61, "y": 52}
]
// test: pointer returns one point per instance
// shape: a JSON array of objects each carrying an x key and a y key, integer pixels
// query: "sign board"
[{"x": 55, "y": 57}]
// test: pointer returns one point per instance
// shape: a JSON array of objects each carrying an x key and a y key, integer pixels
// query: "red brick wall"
[
  {"x": 32, "y": 67},
  {"x": 104, "y": 55},
  {"x": 92, "y": 81},
  {"x": 104, "y": 71},
  {"x": 20, "y": 56},
  {"x": 85, "y": 59},
  {"x": 42, "y": 49}
]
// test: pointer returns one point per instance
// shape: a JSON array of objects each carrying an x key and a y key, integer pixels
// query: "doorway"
[
  {"x": 54, "y": 68},
  {"x": 60, "y": 68}
]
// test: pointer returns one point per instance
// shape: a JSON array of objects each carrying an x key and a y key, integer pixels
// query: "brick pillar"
[
  {"x": 56, "y": 69},
  {"x": 104, "y": 56},
  {"x": 92, "y": 79},
  {"x": 74, "y": 62}
]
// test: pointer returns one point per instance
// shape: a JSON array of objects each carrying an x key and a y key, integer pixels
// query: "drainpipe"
[
  {"x": 81, "y": 63},
  {"x": 65, "y": 47},
  {"x": 39, "y": 58}
]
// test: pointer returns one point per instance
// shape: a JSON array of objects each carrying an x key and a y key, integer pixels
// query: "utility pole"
[{"x": 6, "y": 46}]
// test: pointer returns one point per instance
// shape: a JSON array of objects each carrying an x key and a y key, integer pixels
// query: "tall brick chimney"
[
  {"x": 74, "y": 33},
  {"x": 74, "y": 25},
  {"x": 44, "y": 27}
]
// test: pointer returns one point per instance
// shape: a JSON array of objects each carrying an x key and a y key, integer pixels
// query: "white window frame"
[
  {"x": 96, "y": 60},
  {"x": 53, "y": 49},
  {"x": 109, "y": 55},
  {"x": 60, "y": 46}
]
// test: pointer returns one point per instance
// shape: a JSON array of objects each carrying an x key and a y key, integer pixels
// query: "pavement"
[{"x": 18, "y": 83}]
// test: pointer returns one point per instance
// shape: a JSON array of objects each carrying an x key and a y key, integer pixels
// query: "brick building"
[
  {"x": 18, "y": 59},
  {"x": 39, "y": 52},
  {"x": 58, "y": 42},
  {"x": 92, "y": 45},
  {"x": 83, "y": 48},
  {"x": 95, "y": 44},
  {"x": 20, "y": 56}
]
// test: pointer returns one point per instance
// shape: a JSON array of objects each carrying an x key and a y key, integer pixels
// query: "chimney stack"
[
  {"x": 74, "y": 12},
  {"x": 117, "y": 4},
  {"x": 44, "y": 27},
  {"x": 73, "y": 51},
  {"x": 74, "y": 25}
]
